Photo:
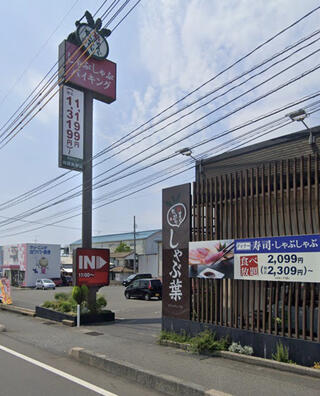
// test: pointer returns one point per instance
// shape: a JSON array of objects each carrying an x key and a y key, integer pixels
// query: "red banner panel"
[
  {"x": 92, "y": 267},
  {"x": 97, "y": 76}
]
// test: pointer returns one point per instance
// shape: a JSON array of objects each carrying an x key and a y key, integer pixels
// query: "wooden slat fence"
[{"x": 278, "y": 198}]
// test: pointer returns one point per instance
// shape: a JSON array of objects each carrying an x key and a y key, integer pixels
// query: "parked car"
[
  {"x": 45, "y": 284},
  {"x": 66, "y": 280},
  {"x": 134, "y": 277},
  {"x": 57, "y": 281},
  {"x": 144, "y": 288}
]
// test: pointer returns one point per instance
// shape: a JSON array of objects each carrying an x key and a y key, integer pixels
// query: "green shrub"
[
  {"x": 48, "y": 304},
  {"x": 101, "y": 301},
  {"x": 282, "y": 354},
  {"x": 84, "y": 292},
  {"x": 62, "y": 296},
  {"x": 76, "y": 294},
  {"x": 80, "y": 294},
  {"x": 207, "y": 342},
  {"x": 65, "y": 306},
  {"x": 181, "y": 337}
]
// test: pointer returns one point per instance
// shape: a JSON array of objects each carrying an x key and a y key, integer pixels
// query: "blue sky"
[{"x": 163, "y": 50}]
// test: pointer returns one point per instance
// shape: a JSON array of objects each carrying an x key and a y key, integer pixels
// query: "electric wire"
[
  {"x": 245, "y": 56},
  {"x": 218, "y": 88},
  {"x": 36, "y": 210},
  {"x": 145, "y": 187},
  {"x": 38, "y": 103},
  {"x": 38, "y": 53}
]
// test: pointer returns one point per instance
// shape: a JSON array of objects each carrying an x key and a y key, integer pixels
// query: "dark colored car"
[
  {"x": 66, "y": 280},
  {"x": 134, "y": 277},
  {"x": 144, "y": 288}
]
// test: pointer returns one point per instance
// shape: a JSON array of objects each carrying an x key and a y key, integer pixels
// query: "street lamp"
[
  {"x": 188, "y": 152},
  {"x": 300, "y": 115}
]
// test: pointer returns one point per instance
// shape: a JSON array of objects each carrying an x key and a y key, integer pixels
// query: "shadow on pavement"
[{"x": 139, "y": 321}]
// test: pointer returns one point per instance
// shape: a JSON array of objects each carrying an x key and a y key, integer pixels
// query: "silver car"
[{"x": 45, "y": 284}]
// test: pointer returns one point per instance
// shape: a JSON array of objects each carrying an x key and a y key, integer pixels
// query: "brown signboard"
[
  {"x": 97, "y": 76},
  {"x": 176, "y": 228}
]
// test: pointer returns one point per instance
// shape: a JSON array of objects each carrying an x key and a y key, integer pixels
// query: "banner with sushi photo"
[{"x": 211, "y": 259}]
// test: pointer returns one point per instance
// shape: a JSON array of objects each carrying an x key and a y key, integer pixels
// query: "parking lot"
[{"x": 116, "y": 301}]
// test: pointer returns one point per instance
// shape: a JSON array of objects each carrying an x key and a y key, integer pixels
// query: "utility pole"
[{"x": 135, "y": 267}]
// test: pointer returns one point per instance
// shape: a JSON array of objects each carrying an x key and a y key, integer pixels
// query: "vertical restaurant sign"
[
  {"x": 286, "y": 258},
  {"x": 96, "y": 76},
  {"x": 71, "y": 128},
  {"x": 176, "y": 204}
]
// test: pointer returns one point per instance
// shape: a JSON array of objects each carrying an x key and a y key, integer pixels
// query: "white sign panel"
[
  {"x": 71, "y": 128},
  {"x": 43, "y": 261},
  {"x": 287, "y": 258}
]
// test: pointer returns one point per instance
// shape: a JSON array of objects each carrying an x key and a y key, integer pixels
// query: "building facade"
[
  {"x": 122, "y": 263},
  {"x": 267, "y": 190}
]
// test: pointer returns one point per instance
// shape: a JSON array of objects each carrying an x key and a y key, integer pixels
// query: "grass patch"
[
  {"x": 202, "y": 343},
  {"x": 66, "y": 303},
  {"x": 282, "y": 354},
  {"x": 175, "y": 337}
]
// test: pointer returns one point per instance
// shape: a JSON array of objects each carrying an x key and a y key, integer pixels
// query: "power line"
[
  {"x": 250, "y": 122},
  {"x": 38, "y": 53},
  {"x": 145, "y": 187},
  {"x": 315, "y": 9},
  {"x": 206, "y": 103},
  {"x": 38, "y": 103}
]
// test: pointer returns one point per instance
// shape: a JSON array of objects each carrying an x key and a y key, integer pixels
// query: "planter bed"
[
  {"x": 257, "y": 361},
  {"x": 86, "y": 318}
]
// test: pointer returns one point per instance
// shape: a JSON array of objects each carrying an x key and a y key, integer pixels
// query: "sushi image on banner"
[{"x": 211, "y": 259}]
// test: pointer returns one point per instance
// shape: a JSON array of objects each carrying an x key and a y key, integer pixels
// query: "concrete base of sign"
[
  {"x": 87, "y": 318},
  {"x": 264, "y": 345}
]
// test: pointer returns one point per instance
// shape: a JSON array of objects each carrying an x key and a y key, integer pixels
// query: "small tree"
[
  {"x": 123, "y": 247},
  {"x": 80, "y": 294}
]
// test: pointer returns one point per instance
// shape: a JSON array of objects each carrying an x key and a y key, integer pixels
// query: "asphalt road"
[
  {"x": 132, "y": 339},
  {"x": 30, "y": 367},
  {"x": 138, "y": 321}
]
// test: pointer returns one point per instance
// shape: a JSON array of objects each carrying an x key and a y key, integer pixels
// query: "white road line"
[{"x": 53, "y": 370}]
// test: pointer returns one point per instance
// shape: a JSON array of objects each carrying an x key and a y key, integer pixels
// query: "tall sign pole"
[
  {"x": 135, "y": 267},
  {"x": 87, "y": 184},
  {"x": 84, "y": 74},
  {"x": 87, "y": 173}
]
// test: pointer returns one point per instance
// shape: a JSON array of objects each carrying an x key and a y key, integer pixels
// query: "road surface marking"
[{"x": 53, "y": 370}]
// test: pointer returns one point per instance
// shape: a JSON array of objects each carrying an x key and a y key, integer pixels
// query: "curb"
[
  {"x": 22, "y": 311},
  {"x": 67, "y": 322},
  {"x": 273, "y": 364},
  {"x": 164, "y": 383}
]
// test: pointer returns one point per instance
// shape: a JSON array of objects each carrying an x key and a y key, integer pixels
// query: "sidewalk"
[{"x": 124, "y": 342}]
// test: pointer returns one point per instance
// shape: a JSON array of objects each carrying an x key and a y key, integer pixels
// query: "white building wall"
[
  {"x": 148, "y": 263},
  {"x": 150, "y": 246}
]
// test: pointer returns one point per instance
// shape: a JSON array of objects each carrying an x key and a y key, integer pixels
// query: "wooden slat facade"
[{"x": 276, "y": 198}]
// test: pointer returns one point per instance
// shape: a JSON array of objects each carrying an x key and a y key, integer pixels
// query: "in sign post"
[{"x": 92, "y": 267}]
